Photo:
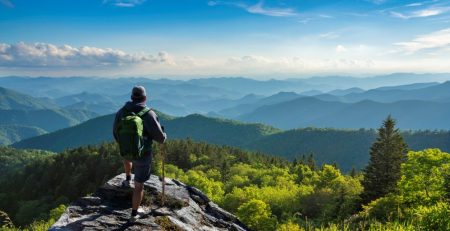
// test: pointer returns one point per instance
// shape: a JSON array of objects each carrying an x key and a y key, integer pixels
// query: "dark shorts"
[{"x": 142, "y": 167}]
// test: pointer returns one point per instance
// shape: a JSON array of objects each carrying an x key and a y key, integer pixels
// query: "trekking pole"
[{"x": 163, "y": 182}]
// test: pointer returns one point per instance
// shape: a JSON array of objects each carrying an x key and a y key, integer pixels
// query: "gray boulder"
[{"x": 185, "y": 208}]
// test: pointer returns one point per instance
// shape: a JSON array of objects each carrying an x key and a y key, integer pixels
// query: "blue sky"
[{"x": 185, "y": 38}]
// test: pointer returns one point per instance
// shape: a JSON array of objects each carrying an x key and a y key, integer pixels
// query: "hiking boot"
[
  {"x": 141, "y": 213},
  {"x": 125, "y": 184},
  {"x": 136, "y": 217}
]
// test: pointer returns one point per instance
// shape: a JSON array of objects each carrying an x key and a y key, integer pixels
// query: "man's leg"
[
  {"x": 141, "y": 174},
  {"x": 127, "y": 165},
  {"x": 138, "y": 194}
]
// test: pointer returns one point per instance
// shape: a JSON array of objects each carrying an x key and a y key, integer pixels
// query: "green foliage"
[
  {"x": 10, "y": 134},
  {"x": 386, "y": 156},
  {"x": 257, "y": 215},
  {"x": 213, "y": 189},
  {"x": 289, "y": 226},
  {"x": 436, "y": 217},
  {"x": 265, "y": 192},
  {"x": 385, "y": 208},
  {"x": 49, "y": 180},
  {"x": 424, "y": 177}
]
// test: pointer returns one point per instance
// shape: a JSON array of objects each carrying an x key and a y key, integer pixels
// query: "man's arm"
[
  {"x": 154, "y": 129},
  {"x": 116, "y": 120}
]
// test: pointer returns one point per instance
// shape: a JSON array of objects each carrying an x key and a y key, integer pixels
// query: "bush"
[
  {"x": 435, "y": 217},
  {"x": 257, "y": 215},
  {"x": 385, "y": 208}
]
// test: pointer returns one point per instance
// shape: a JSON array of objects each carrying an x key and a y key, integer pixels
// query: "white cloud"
[
  {"x": 414, "y": 4},
  {"x": 438, "y": 39},
  {"x": 259, "y": 8},
  {"x": 433, "y": 11},
  {"x": 124, "y": 3},
  {"x": 7, "y": 3},
  {"x": 329, "y": 35},
  {"x": 49, "y": 55},
  {"x": 341, "y": 49}
]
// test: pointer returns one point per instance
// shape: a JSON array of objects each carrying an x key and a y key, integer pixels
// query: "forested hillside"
[
  {"x": 266, "y": 193},
  {"x": 23, "y": 116},
  {"x": 10, "y": 134},
  {"x": 197, "y": 127},
  {"x": 348, "y": 148}
]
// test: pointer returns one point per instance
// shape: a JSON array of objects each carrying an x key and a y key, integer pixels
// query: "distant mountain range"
[
  {"x": 32, "y": 106},
  {"x": 24, "y": 116},
  {"x": 348, "y": 148},
  {"x": 313, "y": 112},
  {"x": 216, "y": 96}
]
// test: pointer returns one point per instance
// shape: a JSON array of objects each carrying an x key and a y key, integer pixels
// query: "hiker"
[{"x": 137, "y": 154}]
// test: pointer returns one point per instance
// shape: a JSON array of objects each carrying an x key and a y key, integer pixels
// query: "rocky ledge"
[{"x": 185, "y": 208}]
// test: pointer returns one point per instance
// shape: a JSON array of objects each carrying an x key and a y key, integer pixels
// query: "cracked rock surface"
[{"x": 185, "y": 208}]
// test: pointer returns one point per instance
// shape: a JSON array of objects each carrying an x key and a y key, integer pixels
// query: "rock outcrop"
[{"x": 185, "y": 208}]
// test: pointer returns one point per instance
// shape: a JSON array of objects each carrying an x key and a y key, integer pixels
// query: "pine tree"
[
  {"x": 386, "y": 155},
  {"x": 311, "y": 162},
  {"x": 354, "y": 172}
]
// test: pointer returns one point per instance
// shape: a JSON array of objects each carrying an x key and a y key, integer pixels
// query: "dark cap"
[{"x": 138, "y": 92}]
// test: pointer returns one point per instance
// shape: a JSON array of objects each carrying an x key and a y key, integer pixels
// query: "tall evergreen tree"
[{"x": 386, "y": 155}]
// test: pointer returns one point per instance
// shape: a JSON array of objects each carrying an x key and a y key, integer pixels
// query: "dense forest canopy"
[{"x": 266, "y": 193}]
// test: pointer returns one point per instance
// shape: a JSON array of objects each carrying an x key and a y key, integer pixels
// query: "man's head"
[{"x": 138, "y": 94}]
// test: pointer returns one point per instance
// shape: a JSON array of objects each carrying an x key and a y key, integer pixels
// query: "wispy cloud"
[
  {"x": 49, "y": 55},
  {"x": 276, "y": 12},
  {"x": 124, "y": 3},
  {"x": 414, "y": 4},
  {"x": 7, "y": 3},
  {"x": 432, "y": 11},
  {"x": 259, "y": 8},
  {"x": 435, "y": 40},
  {"x": 329, "y": 35}
]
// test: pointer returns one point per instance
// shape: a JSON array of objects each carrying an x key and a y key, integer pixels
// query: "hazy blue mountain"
[
  {"x": 311, "y": 93},
  {"x": 260, "y": 87},
  {"x": 46, "y": 119},
  {"x": 90, "y": 98},
  {"x": 97, "y": 103},
  {"x": 395, "y": 79},
  {"x": 10, "y": 99},
  {"x": 13, "y": 133},
  {"x": 309, "y": 111},
  {"x": 58, "y": 87},
  {"x": 412, "y": 86},
  {"x": 427, "y": 92},
  {"x": 169, "y": 108},
  {"x": 249, "y": 107},
  {"x": 341, "y": 92},
  {"x": 216, "y": 87}
]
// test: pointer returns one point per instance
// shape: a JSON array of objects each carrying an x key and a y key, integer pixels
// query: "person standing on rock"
[{"x": 135, "y": 127}]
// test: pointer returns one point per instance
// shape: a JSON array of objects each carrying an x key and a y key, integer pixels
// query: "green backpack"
[{"x": 130, "y": 130}]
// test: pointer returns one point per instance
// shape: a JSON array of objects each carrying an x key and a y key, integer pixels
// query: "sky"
[{"x": 206, "y": 38}]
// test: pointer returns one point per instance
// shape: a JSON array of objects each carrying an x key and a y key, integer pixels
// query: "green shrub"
[{"x": 436, "y": 217}]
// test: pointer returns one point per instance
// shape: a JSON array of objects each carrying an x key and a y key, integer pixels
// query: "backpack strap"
[{"x": 141, "y": 113}]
